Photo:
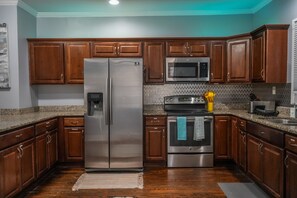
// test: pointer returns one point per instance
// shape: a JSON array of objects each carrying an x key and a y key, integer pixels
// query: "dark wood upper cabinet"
[
  {"x": 238, "y": 60},
  {"x": 154, "y": 59},
  {"x": 187, "y": 48},
  {"x": 46, "y": 62},
  {"x": 218, "y": 62},
  {"x": 269, "y": 54},
  {"x": 117, "y": 49},
  {"x": 75, "y": 52}
]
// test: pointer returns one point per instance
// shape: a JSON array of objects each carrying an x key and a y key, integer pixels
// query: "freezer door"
[
  {"x": 97, "y": 117},
  {"x": 126, "y": 128}
]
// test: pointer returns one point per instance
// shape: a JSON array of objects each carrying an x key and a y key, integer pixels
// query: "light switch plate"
[
  {"x": 292, "y": 112},
  {"x": 273, "y": 90}
]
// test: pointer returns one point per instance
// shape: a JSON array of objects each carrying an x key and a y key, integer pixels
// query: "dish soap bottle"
[{"x": 209, "y": 96}]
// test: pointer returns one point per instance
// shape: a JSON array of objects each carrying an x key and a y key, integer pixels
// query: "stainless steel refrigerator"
[{"x": 113, "y": 94}]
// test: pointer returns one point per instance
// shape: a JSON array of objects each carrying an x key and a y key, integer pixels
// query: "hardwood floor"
[{"x": 158, "y": 183}]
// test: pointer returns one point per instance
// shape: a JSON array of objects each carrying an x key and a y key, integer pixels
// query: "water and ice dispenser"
[{"x": 95, "y": 102}]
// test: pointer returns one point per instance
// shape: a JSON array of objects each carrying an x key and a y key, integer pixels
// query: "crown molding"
[
  {"x": 260, "y": 6},
  {"x": 8, "y": 2},
  {"x": 27, "y": 8}
]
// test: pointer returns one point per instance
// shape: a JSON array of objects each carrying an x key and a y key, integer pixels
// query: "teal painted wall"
[{"x": 125, "y": 27}]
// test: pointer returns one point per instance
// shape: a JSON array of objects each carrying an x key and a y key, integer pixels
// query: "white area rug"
[
  {"x": 242, "y": 190},
  {"x": 109, "y": 181}
]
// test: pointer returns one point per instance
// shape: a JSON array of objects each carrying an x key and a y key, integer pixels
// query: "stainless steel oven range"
[{"x": 190, "y": 132}]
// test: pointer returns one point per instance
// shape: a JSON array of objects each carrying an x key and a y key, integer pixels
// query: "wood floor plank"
[{"x": 158, "y": 183}]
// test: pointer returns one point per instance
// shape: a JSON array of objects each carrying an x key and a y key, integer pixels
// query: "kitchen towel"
[
  {"x": 199, "y": 133},
  {"x": 181, "y": 128}
]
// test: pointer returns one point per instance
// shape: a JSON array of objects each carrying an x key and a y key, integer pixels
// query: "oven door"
[{"x": 189, "y": 146}]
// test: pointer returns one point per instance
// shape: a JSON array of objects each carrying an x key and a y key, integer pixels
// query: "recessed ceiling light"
[{"x": 113, "y": 2}]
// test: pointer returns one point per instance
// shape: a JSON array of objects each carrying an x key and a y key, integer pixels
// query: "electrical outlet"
[
  {"x": 273, "y": 90},
  {"x": 292, "y": 112}
]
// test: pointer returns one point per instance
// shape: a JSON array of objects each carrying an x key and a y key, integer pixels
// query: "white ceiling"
[{"x": 42, "y": 8}]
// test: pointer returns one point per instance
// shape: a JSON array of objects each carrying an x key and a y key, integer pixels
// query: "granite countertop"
[
  {"x": 10, "y": 122},
  {"x": 158, "y": 110}
]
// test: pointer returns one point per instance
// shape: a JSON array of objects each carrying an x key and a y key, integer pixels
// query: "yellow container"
[{"x": 210, "y": 106}]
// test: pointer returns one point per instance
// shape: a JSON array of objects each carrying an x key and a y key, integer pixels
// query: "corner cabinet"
[
  {"x": 187, "y": 48},
  {"x": 116, "y": 49},
  {"x": 46, "y": 62},
  {"x": 155, "y": 138},
  {"x": 154, "y": 60},
  {"x": 238, "y": 60},
  {"x": 269, "y": 54},
  {"x": 291, "y": 166},
  {"x": 75, "y": 52},
  {"x": 218, "y": 61}
]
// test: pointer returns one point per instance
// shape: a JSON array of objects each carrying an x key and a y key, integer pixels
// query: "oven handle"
[{"x": 190, "y": 118}]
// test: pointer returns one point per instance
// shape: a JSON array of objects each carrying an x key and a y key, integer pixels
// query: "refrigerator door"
[
  {"x": 126, "y": 128},
  {"x": 97, "y": 118}
]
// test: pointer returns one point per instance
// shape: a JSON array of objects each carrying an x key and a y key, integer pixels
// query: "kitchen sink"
[{"x": 284, "y": 121}]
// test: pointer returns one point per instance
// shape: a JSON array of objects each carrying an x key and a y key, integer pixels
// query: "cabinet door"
[
  {"x": 258, "y": 58},
  {"x": 291, "y": 172},
  {"x": 198, "y": 48},
  {"x": 242, "y": 155},
  {"x": 41, "y": 154},
  {"x": 52, "y": 151},
  {"x": 222, "y": 137},
  {"x": 176, "y": 48},
  {"x": 74, "y": 144},
  {"x": 75, "y": 52},
  {"x": 104, "y": 49},
  {"x": 129, "y": 49},
  {"x": 254, "y": 158},
  {"x": 154, "y": 59},
  {"x": 10, "y": 172},
  {"x": 234, "y": 139},
  {"x": 46, "y": 63},
  {"x": 155, "y": 143},
  {"x": 238, "y": 60},
  {"x": 273, "y": 168},
  {"x": 218, "y": 62},
  {"x": 27, "y": 162}
]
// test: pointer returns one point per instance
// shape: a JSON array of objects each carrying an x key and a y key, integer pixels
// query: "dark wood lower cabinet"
[
  {"x": 74, "y": 143},
  {"x": 242, "y": 155},
  {"x": 234, "y": 139},
  {"x": 155, "y": 144},
  {"x": 291, "y": 174},
  {"x": 265, "y": 165},
  {"x": 16, "y": 168},
  {"x": 222, "y": 138}
]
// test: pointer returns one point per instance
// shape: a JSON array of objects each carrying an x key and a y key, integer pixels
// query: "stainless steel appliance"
[
  {"x": 190, "y": 152},
  {"x": 187, "y": 69},
  {"x": 113, "y": 122},
  {"x": 265, "y": 108}
]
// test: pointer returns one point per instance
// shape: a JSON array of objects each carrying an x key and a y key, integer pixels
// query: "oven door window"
[
  {"x": 173, "y": 141},
  {"x": 183, "y": 70}
]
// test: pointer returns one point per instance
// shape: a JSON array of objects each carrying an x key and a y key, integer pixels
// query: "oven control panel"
[{"x": 184, "y": 99}]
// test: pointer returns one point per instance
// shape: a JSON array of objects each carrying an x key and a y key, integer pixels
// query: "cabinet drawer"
[
  {"x": 46, "y": 126},
  {"x": 155, "y": 120},
  {"x": 15, "y": 137},
  {"x": 69, "y": 122},
  {"x": 291, "y": 143},
  {"x": 270, "y": 135},
  {"x": 242, "y": 124}
]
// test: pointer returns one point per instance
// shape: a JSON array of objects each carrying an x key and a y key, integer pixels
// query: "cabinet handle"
[
  {"x": 262, "y": 73},
  {"x": 19, "y": 155},
  {"x": 47, "y": 123},
  {"x": 162, "y": 75},
  {"x": 19, "y": 135},
  {"x": 185, "y": 49},
  {"x": 163, "y": 133},
  {"x": 260, "y": 148},
  {"x": 228, "y": 76},
  {"x": 82, "y": 131},
  {"x": 22, "y": 150},
  {"x": 294, "y": 145},
  {"x": 286, "y": 162},
  {"x": 211, "y": 74},
  {"x": 190, "y": 50},
  {"x": 115, "y": 50},
  {"x": 262, "y": 132},
  {"x": 118, "y": 50},
  {"x": 62, "y": 76},
  {"x": 244, "y": 138},
  {"x": 74, "y": 129}
]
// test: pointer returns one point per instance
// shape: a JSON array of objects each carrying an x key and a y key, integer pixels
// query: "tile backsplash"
[
  {"x": 225, "y": 93},
  {"x": 233, "y": 93}
]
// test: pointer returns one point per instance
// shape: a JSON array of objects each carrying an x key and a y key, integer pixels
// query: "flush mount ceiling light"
[{"x": 113, "y": 2}]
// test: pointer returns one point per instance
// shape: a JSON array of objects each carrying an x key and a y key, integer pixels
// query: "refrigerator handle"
[
  {"x": 110, "y": 101},
  {"x": 106, "y": 106}
]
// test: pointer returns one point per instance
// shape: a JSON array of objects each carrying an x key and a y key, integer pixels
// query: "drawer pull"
[
  {"x": 155, "y": 118},
  {"x": 292, "y": 140},
  {"x": 19, "y": 135},
  {"x": 74, "y": 129},
  {"x": 74, "y": 122},
  {"x": 47, "y": 123},
  {"x": 294, "y": 145},
  {"x": 262, "y": 132}
]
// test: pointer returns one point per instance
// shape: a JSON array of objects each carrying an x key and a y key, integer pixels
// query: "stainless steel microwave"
[{"x": 183, "y": 69}]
